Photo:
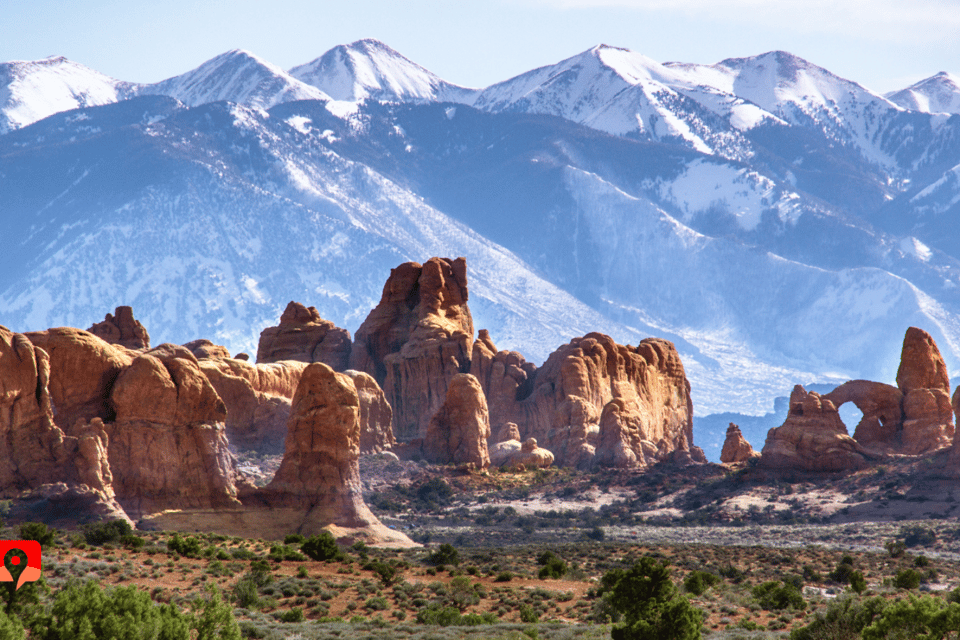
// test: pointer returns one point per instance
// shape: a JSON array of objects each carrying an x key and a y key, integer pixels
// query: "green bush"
[
  {"x": 918, "y": 536},
  {"x": 10, "y": 626},
  {"x": 131, "y": 541},
  {"x": 294, "y": 538},
  {"x": 775, "y": 596},
  {"x": 841, "y": 574},
  {"x": 858, "y": 582},
  {"x": 322, "y": 547},
  {"x": 650, "y": 604},
  {"x": 528, "y": 614},
  {"x": 551, "y": 566},
  {"x": 445, "y": 554},
  {"x": 697, "y": 582},
  {"x": 926, "y": 618},
  {"x": 102, "y": 533},
  {"x": 39, "y": 532},
  {"x": 907, "y": 579},
  {"x": 844, "y": 619},
  {"x": 281, "y": 552},
  {"x": 188, "y": 547},
  {"x": 438, "y": 614},
  {"x": 293, "y": 615}
]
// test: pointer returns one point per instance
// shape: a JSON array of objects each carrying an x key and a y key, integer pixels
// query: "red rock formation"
[
  {"x": 923, "y": 379},
  {"x": 418, "y": 337},
  {"x": 813, "y": 438},
  {"x": 376, "y": 416},
  {"x": 304, "y": 336},
  {"x": 502, "y": 374},
  {"x": 320, "y": 471},
  {"x": 257, "y": 398},
  {"x": 34, "y": 452},
  {"x": 168, "y": 446},
  {"x": 205, "y": 349},
  {"x": 83, "y": 369},
  {"x": 122, "y": 329},
  {"x": 879, "y": 429},
  {"x": 458, "y": 432},
  {"x": 595, "y": 402},
  {"x": 736, "y": 448},
  {"x": 512, "y": 454}
]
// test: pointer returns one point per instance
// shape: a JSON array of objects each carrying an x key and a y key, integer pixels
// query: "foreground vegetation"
[{"x": 100, "y": 579}]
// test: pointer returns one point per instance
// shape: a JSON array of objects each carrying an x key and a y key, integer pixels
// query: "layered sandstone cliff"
[{"x": 416, "y": 340}]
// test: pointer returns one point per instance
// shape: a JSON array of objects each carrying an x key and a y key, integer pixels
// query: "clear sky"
[{"x": 882, "y": 44}]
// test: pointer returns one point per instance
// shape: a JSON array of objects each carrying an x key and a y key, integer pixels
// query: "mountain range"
[{"x": 779, "y": 223}]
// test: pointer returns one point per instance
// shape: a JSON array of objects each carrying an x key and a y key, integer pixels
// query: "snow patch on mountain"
[
  {"x": 369, "y": 69},
  {"x": 237, "y": 76},
  {"x": 32, "y": 90},
  {"x": 937, "y": 94}
]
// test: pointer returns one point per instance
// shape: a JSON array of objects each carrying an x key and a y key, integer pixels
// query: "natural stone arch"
[{"x": 881, "y": 405}]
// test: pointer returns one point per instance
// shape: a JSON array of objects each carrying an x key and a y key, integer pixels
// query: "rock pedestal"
[
  {"x": 123, "y": 329},
  {"x": 458, "y": 432},
  {"x": 736, "y": 449},
  {"x": 304, "y": 336}
]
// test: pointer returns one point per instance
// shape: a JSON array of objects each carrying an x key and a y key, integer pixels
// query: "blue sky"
[{"x": 882, "y": 44}]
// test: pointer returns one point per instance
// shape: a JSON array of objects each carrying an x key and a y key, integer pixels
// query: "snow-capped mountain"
[
  {"x": 780, "y": 224},
  {"x": 937, "y": 94},
  {"x": 33, "y": 90},
  {"x": 236, "y": 76},
  {"x": 370, "y": 69}
]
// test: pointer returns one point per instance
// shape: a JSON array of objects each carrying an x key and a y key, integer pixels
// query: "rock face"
[
  {"x": 320, "y": 471},
  {"x": 122, "y": 329},
  {"x": 204, "y": 349},
  {"x": 458, "y": 432},
  {"x": 376, "y": 416},
  {"x": 304, "y": 336},
  {"x": 813, "y": 438},
  {"x": 416, "y": 340},
  {"x": 33, "y": 450},
  {"x": 257, "y": 398},
  {"x": 595, "y": 402},
  {"x": 168, "y": 445},
  {"x": 736, "y": 448},
  {"x": 925, "y": 384},
  {"x": 882, "y": 421},
  {"x": 83, "y": 369}
]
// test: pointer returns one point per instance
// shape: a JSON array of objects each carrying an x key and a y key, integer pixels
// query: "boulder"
[
  {"x": 122, "y": 329},
  {"x": 257, "y": 398},
  {"x": 813, "y": 438},
  {"x": 924, "y": 381},
  {"x": 512, "y": 454},
  {"x": 83, "y": 369},
  {"x": 168, "y": 446},
  {"x": 304, "y": 336},
  {"x": 205, "y": 349},
  {"x": 458, "y": 432},
  {"x": 376, "y": 416},
  {"x": 416, "y": 340},
  {"x": 736, "y": 449}
]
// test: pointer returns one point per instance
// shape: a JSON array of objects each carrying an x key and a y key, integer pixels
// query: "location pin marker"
[{"x": 15, "y": 561}]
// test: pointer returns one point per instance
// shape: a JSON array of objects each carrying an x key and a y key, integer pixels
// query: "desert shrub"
[
  {"x": 131, "y": 541},
  {"x": 106, "y": 532},
  {"x": 858, "y": 582},
  {"x": 294, "y": 538},
  {"x": 435, "y": 493},
  {"x": 375, "y": 604},
  {"x": 39, "y": 532},
  {"x": 907, "y": 579},
  {"x": 10, "y": 626},
  {"x": 841, "y": 574},
  {"x": 437, "y": 614},
  {"x": 775, "y": 596},
  {"x": 844, "y": 619},
  {"x": 281, "y": 552},
  {"x": 596, "y": 534},
  {"x": 242, "y": 553},
  {"x": 921, "y": 561},
  {"x": 551, "y": 566},
  {"x": 896, "y": 548},
  {"x": 214, "y": 618},
  {"x": 87, "y": 611},
  {"x": 322, "y": 547},
  {"x": 245, "y": 593},
  {"x": 462, "y": 592},
  {"x": 189, "y": 546},
  {"x": 387, "y": 572},
  {"x": 445, "y": 554},
  {"x": 503, "y": 576},
  {"x": 528, "y": 614},
  {"x": 292, "y": 615},
  {"x": 918, "y": 536},
  {"x": 697, "y": 582},
  {"x": 925, "y": 618},
  {"x": 732, "y": 573},
  {"x": 650, "y": 604},
  {"x": 810, "y": 574}
]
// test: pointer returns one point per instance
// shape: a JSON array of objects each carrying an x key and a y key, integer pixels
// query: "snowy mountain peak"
[
  {"x": 370, "y": 69},
  {"x": 937, "y": 94},
  {"x": 238, "y": 76},
  {"x": 32, "y": 90}
]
